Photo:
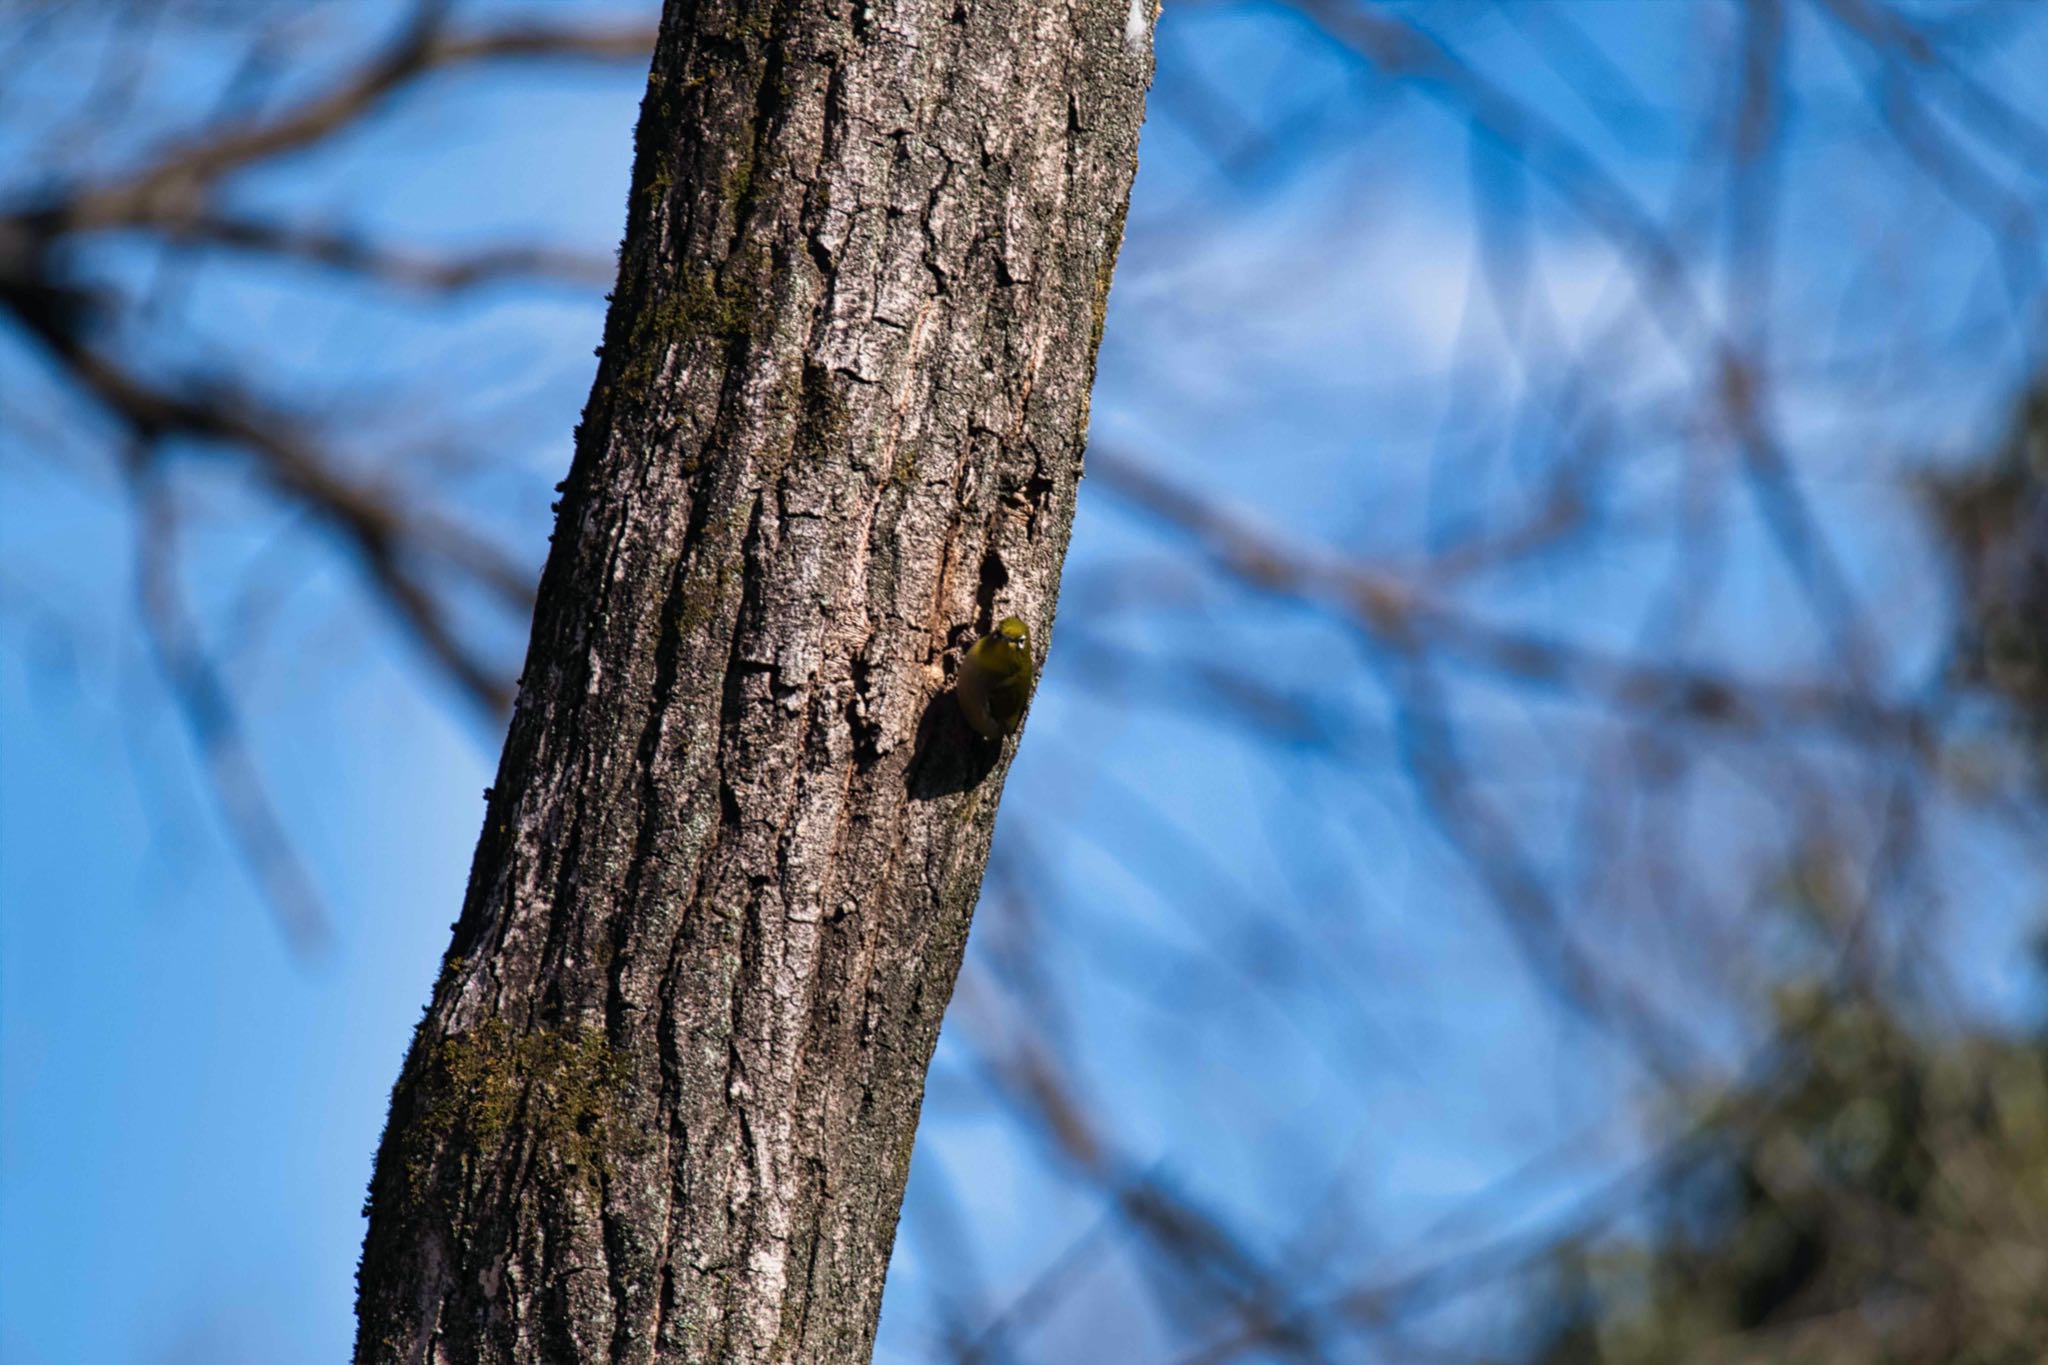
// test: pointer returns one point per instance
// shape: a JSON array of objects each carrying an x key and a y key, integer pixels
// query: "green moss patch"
[{"x": 464, "y": 1096}]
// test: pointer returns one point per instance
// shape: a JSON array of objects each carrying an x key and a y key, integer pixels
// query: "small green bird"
[{"x": 995, "y": 679}]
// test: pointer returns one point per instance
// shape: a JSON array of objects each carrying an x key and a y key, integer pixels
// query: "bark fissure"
[{"x": 662, "y": 1103}]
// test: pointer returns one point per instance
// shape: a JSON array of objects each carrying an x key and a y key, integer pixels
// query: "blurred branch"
[
  {"x": 2011, "y": 224},
  {"x": 169, "y": 195},
  {"x": 391, "y": 266},
  {"x": 1734, "y": 1113},
  {"x": 1496, "y": 857},
  {"x": 416, "y": 561},
  {"x": 1413, "y": 635},
  {"x": 1403, "y": 50},
  {"x": 388, "y": 541},
  {"x": 1196, "y": 1244},
  {"x": 170, "y": 187},
  {"x": 1400, "y": 49},
  {"x": 208, "y": 708},
  {"x": 1396, "y": 613}
]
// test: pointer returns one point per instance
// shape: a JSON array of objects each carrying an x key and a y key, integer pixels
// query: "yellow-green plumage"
[{"x": 995, "y": 679}]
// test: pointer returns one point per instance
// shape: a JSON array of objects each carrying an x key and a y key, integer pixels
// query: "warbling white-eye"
[{"x": 995, "y": 679}]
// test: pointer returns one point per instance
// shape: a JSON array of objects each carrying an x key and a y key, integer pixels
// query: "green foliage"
[
  {"x": 1881, "y": 1197},
  {"x": 1882, "y": 1200}
]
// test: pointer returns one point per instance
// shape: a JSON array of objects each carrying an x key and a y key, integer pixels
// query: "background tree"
[
  {"x": 1523, "y": 681},
  {"x": 1879, "y": 1192}
]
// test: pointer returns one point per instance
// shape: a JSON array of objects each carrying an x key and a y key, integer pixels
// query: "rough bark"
[{"x": 661, "y": 1106}]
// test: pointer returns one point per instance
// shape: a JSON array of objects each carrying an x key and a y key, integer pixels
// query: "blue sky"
[{"x": 188, "y": 1112}]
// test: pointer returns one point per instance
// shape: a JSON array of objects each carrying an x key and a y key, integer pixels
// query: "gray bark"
[{"x": 661, "y": 1106}]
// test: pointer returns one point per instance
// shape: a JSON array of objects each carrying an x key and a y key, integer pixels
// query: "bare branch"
[
  {"x": 209, "y": 711},
  {"x": 1395, "y": 611},
  {"x": 386, "y": 538},
  {"x": 178, "y": 179},
  {"x": 387, "y": 265}
]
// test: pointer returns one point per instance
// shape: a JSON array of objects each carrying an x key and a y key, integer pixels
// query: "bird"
[{"x": 995, "y": 679}]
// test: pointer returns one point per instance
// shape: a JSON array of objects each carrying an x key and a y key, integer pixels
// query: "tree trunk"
[{"x": 661, "y": 1107}]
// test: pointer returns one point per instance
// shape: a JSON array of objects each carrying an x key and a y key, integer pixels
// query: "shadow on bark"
[{"x": 950, "y": 757}]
